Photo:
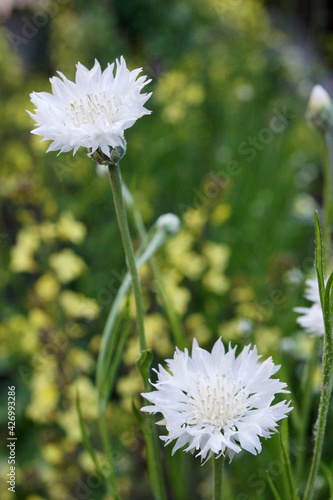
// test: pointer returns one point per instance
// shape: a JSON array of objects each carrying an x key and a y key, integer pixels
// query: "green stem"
[
  {"x": 156, "y": 472},
  {"x": 217, "y": 473},
  {"x": 326, "y": 389},
  {"x": 328, "y": 196},
  {"x": 116, "y": 184},
  {"x": 320, "y": 432},
  {"x": 110, "y": 479}
]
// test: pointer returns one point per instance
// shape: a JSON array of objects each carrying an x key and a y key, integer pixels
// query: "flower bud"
[
  {"x": 169, "y": 222},
  {"x": 320, "y": 109}
]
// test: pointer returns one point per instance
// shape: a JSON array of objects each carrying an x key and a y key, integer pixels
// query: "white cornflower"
[
  {"x": 312, "y": 320},
  {"x": 217, "y": 403},
  {"x": 94, "y": 111}
]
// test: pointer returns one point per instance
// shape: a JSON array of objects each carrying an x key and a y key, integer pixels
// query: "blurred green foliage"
[{"x": 228, "y": 150}]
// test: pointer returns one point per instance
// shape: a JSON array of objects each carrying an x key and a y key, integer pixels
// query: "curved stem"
[
  {"x": 166, "y": 299},
  {"x": 217, "y": 473},
  {"x": 116, "y": 184}
]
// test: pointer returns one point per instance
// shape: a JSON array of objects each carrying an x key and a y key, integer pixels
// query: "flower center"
[
  {"x": 218, "y": 403},
  {"x": 91, "y": 107}
]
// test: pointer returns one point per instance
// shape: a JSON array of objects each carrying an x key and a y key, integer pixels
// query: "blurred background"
[{"x": 227, "y": 149}]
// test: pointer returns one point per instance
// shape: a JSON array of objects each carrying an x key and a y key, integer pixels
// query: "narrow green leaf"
[
  {"x": 85, "y": 438},
  {"x": 272, "y": 487},
  {"x": 112, "y": 369},
  {"x": 110, "y": 335},
  {"x": 143, "y": 363},
  {"x": 284, "y": 439}
]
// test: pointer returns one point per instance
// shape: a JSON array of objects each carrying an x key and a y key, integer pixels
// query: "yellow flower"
[
  {"x": 129, "y": 387},
  {"x": 180, "y": 295},
  {"x": 267, "y": 339},
  {"x": 157, "y": 334},
  {"x": 52, "y": 453},
  {"x": 78, "y": 306},
  {"x": 68, "y": 419},
  {"x": 47, "y": 231},
  {"x": 217, "y": 254},
  {"x": 67, "y": 265},
  {"x": 234, "y": 329},
  {"x": 195, "y": 219},
  {"x": 88, "y": 396},
  {"x": 197, "y": 327},
  {"x": 17, "y": 333},
  {"x": 86, "y": 463},
  {"x": 242, "y": 294},
  {"x": 70, "y": 229},
  {"x": 47, "y": 287},
  {"x": 132, "y": 353},
  {"x": 178, "y": 245},
  {"x": 45, "y": 394},
  {"x": 22, "y": 254},
  {"x": 215, "y": 282},
  {"x": 177, "y": 94},
  {"x": 181, "y": 255},
  {"x": 78, "y": 358},
  {"x": 39, "y": 319}
]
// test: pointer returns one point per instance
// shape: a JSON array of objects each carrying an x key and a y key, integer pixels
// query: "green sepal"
[{"x": 116, "y": 154}]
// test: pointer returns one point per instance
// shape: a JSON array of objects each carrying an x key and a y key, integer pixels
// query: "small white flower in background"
[
  {"x": 312, "y": 320},
  {"x": 320, "y": 109},
  {"x": 217, "y": 403},
  {"x": 169, "y": 222},
  {"x": 91, "y": 112}
]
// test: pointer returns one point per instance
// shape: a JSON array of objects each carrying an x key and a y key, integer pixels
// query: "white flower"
[
  {"x": 312, "y": 320},
  {"x": 217, "y": 403},
  {"x": 320, "y": 109},
  {"x": 94, "y": 111}
]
